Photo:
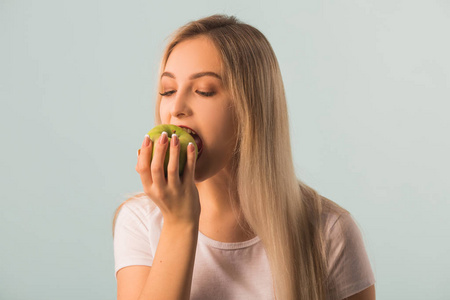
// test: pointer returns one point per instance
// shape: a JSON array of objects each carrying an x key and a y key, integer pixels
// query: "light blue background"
[{"x": 368, "y": 90}]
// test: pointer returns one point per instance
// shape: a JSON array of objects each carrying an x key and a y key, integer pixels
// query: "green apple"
[{"x": 184, "y": 138}]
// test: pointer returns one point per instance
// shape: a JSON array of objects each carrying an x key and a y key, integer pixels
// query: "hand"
[{"x": 176, "y": 197}]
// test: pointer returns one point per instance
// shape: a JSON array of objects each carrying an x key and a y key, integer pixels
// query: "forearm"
[{"x": 170, "y": 277}]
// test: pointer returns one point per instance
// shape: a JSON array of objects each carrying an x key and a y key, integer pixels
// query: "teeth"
[{"x": 188, "y": 130}]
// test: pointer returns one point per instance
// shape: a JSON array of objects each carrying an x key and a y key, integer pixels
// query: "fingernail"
[
  {"x": 174, "y": 140},
  {"x": 163, "y": 138},
  {"x": 192, "y": 149},
  {"x": 138, "y": 152},
  {"x": 146, "y": 140}
]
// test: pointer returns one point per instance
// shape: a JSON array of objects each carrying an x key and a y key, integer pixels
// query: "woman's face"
[{"x": 194, "y": 96}]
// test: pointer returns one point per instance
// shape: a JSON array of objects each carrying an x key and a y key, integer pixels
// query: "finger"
[
  {"x": 157, "y": 165},
  {"x": 189, "y": 169},
  {"x": 139, "y": 153},
  {"x": 137, "y": 163},
  {"x": 143, "y": 165},
  {"x": 173, "y": 176}
]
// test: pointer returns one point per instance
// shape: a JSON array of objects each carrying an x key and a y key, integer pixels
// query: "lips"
[{"x": 196, "y": 137}]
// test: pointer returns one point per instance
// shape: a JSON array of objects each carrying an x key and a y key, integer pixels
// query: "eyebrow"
[{"x": 193, "y": 76}]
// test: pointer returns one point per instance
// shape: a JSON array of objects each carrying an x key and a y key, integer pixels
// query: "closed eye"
[
  {"x": 206, "y": 94},
  {"x": 168, "y": 93}
]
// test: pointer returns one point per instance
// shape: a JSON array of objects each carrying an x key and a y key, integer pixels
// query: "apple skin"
[{"x": 184, "y": 138}]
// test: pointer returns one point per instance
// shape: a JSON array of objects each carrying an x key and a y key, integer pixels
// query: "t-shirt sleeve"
[
  {"x": 131, "y": 239},
  {"x": 348, "y": 263}
]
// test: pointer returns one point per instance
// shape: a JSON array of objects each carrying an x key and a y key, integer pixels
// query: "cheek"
[
  {"x": 221, "y": 129},
  {"x": 163, "y": 113}
]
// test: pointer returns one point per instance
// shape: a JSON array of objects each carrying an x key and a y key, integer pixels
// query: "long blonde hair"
[{"x": 282, "y": 210}]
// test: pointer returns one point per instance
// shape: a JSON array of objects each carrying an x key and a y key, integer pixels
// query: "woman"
[{"x": 237, "y": 224}]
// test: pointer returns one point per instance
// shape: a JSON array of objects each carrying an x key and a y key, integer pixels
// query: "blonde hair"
[{"x": 282, "y": 210}]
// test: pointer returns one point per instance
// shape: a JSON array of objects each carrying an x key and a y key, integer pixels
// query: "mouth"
[{"x": 196, "y": 137}]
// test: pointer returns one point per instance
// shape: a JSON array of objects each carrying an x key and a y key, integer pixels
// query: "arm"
[
  {"x": 171, "y": 273},
  {"x": 349, "y": 266},
  {"x": 367, "y": 294},
  {"x": 170, "y": 276}
]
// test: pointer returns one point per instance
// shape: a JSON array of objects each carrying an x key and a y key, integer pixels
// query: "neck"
[
  {"x": 220, "y": 216},
  {"x": 214, "y": 193}
]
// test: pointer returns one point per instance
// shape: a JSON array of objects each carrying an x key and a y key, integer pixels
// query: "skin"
[
  {"x": 367, "y": 294},
  {"x": 211, "y": 118},
  {"x": 198, "y": 200}
]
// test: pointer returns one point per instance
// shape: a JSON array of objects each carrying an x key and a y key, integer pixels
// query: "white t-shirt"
[{"x": 239, "y": 270}]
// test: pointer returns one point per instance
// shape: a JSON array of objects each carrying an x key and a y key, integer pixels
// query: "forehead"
[{"x": 192, "y": 56}]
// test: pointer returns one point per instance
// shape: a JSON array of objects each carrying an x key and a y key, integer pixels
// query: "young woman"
[{"x": 237, "y": 224}]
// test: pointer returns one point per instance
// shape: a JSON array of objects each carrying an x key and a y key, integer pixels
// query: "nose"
[{"x": 180, "y": 106}]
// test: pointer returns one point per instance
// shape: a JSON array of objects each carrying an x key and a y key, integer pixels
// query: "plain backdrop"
[{"x": 368, "y": 91}]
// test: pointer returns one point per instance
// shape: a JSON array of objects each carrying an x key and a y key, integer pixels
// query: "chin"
[
  {"x": 213, "y": 170},
  {"x": 200, "y": 175}
]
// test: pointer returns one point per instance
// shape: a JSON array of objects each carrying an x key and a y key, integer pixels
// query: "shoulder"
[
  {"x": 331, "y": 214},
  {"x": 348, "y": 264},
  {"x": 140, "y": 204},
  {"x": 136, "y": 232},
  {"x": 138, "y": 210},
  {"x": 340, "y": 227}
]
